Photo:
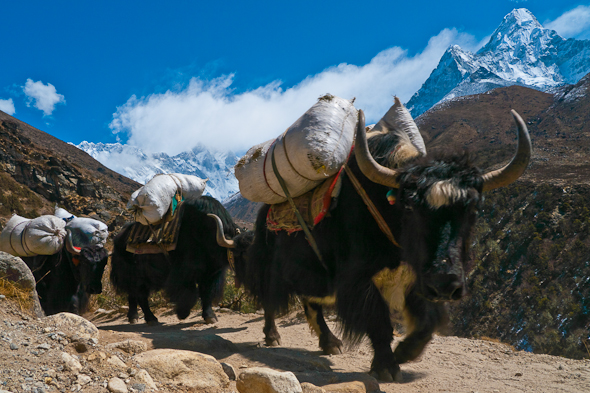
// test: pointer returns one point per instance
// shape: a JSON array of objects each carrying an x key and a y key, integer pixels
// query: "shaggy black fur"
[
  {"x": 197, "y": 261},
  {"x": 64, "y": 287},
  {"x": 433, "y": 242}
]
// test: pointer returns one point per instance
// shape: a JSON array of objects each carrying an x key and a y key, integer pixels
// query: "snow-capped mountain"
[
  {"x": 132, "y": 162},
  {"x": 520, "y": 52}
]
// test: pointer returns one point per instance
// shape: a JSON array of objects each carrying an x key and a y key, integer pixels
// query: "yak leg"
[
  {"x": 149, "y": 317},
  {"x": 271, "y": 334},
  {"x": 182, "y": 290},
  {"x": 315, "y": 318},
  {"x": 363, "y": 310},
  {"x": 206, "y": 291},
  {"x": 424, "y": 318},
  {"x": 132, "y": 314}
]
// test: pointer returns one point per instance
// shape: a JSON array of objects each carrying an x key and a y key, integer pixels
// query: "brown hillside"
[
  {"x": 39, "y": 171},
  {"x": 559, "y": 126}
]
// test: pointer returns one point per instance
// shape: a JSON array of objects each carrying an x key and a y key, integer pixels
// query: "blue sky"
[{"x": 167, "y": 75}]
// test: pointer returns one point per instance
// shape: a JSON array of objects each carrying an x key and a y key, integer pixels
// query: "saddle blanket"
[
  {"x": 156, "y": 239},
  {"x": 313, "y": 207}
]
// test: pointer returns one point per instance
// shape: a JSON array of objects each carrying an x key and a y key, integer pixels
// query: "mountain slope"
[
  {"x": 39, "y": 171},
  {"x": 520, "y": 52}
]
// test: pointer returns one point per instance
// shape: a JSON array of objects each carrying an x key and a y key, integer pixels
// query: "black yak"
[
  {"x": 197, "y": 260},
  {"x": 395, "y": 240},
  {"x": 66, "y": 279}
]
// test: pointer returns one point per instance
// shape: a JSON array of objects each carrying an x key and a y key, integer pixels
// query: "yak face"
[
  {"x": 90, "y": 267},
  {"x": 438, "y": 202}
]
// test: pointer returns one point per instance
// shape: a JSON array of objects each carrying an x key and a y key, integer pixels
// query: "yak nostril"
[
  {"x": 432, "y": 291},
  {"x": 457, "y": 293}
]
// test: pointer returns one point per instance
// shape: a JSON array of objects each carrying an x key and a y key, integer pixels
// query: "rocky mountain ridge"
[{"x": 205, "y": 163}]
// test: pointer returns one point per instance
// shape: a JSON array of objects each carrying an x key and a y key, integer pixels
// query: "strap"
[
  {"x": 371, "y": 206},
  {"x": 304, "y": 226}
]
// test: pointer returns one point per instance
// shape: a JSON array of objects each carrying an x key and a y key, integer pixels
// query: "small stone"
[
  {"x": 229, "y": 370},
  {"x": 129, "y": 346},
  {"x": 13, "y": 346},
  {"x": 97, "y": 356},
  {"x": 518, "y": 375},
  {"x": 145, "y": 378},
  {"x": 46, "y": 347},
  {"x": 115, "y": 385},
  {"x": 123, "y": 376},
  {"x": 2, "y": 297},
  {"x": 47, "y": 329},
  {"x": 261, "y": 379},
  {"x": 71, "y": 363},
  {"x": 140, "y": 387},
  {"x": 84, "y": 379},
  {"x": 115, "y": 361},
  {"x": 94, "y": 340}
]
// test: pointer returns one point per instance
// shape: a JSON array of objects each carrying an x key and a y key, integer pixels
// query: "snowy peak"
[
  {"x": 132, "y": 162},
  {"x": 520, "y": 52}
]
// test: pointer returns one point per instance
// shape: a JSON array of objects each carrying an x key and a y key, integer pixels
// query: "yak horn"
[
  {"x": 70, "y": 245},
  {"x": 221, "y": 240},
  {"x": 504, "y": 176},
  {"x": 368, "y": 166}
]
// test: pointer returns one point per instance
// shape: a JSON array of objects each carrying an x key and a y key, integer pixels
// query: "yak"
[
  {"x": 396, "y": 240},
  {"x": 197, "y": 260},
  {"x": 66, "y": 279}
]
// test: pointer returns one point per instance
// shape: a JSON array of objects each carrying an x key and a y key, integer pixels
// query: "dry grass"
[
  {"x": 17, "y": 293},
  {"x": 496, "y": 341}
]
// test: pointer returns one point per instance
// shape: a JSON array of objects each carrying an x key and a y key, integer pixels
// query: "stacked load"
[
  {"x": 85, "y": 231},
  {"x": 24, "y": 237},
  {"x": 314, "y": 148},
  {"x": 151, "y": 202}
]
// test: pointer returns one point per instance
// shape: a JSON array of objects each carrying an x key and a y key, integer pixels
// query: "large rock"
[
  {"x": 74, "y": 326},
  {"x": 129, "y": 346},
  {"x": 265, "y": 380},
  {"x": 191, "y": 369},
  {"x": 15, "y": 270}
]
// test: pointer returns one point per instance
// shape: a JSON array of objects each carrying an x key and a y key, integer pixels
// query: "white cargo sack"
[
  {"x": 23, "y": 237},
  {"x": 85, "y": 231},
  {"x": 150, "y": 203},
  {"x": 314, "y": 148}
]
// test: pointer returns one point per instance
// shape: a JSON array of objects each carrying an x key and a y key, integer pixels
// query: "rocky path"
[{"x": 45, "y": 355}]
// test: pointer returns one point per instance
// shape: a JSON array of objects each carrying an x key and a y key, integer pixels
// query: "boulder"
[
  {"x": 192, "y": 369},
  {"x": 15, "y": 270},
  {"x": 265, "y": 380},
  {"x": 311, "y": 388},
  {"x": 74, "y": 326}
]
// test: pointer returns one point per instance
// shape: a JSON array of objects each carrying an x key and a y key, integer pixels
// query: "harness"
[
  {"x": 359, "y": 189},
  {"x": 371, "y": 206}
]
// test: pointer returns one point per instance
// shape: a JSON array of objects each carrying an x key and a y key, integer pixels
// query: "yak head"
[
  {"x": 237, "y": 248},
  {"x": 88, "y": 264},
  {"x": 435, "y": 208}
]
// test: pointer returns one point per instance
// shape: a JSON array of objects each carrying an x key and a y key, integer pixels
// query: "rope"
[
  {"x": 371, "y": 206},
  {"x": 304, "y": 226}
]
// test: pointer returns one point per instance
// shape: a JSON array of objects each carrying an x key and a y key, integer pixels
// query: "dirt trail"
[{"x": 449, "y": 364}]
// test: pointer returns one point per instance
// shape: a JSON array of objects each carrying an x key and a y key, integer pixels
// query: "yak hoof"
[
  {"x": 333, "y": 350},
  {"x": 210, "y": 320},
  {"x": 132, "y": 321},
  {"x": 153, "y": 322},
  {"x": 398, "y": 377},
  {"x": 273, "y": 343},
  {"x": 383, "y": 376}
]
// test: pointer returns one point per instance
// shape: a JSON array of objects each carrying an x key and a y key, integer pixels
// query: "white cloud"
[
  {"x": 209, "y": 112},
  {"x": 7, "y": 106},
  {"x": 572, "y": 24},
  {"x": 43, "y": 97}
]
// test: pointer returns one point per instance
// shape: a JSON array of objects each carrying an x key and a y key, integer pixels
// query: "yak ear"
[{"x": 399, "y": 121}]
